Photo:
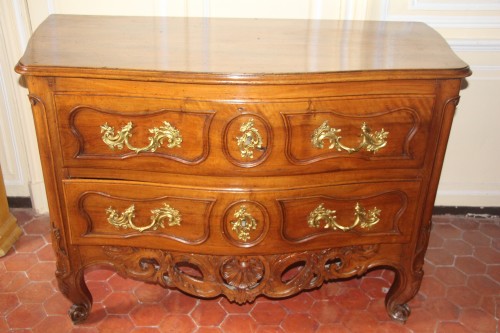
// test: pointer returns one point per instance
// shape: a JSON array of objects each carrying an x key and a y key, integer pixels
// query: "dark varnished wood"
[{"x": 209, "y": 78}]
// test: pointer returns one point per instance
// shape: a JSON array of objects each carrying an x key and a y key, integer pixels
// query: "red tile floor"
[{"x": 460, "y": 293}]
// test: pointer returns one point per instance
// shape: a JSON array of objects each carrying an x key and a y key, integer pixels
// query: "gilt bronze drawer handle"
[
  {"x": 167, "y": 131},
  {"x": 370, "y": 141},
  {"x": 244, "y": 223},
  {"x": 366, "y": 219},
  {"x": 125, "y": 219},
  {"x": 251, "y": 139}
]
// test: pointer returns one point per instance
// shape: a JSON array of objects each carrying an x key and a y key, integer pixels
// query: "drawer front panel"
[
  {"x": 124, "y": 213},
  {"x": 115, "y": 128},
  {"x": 330, "y": 215},
  {"x": 354, "y": 131},
  {"x": 102, "y": 210}
]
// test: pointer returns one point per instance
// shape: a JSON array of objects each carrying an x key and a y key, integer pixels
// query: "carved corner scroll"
[{"x": 241, "y": 278}]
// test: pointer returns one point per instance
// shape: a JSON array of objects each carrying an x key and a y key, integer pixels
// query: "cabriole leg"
[
  {"x": 403, "y": 289},
  {"x": 73, "y": 286}
]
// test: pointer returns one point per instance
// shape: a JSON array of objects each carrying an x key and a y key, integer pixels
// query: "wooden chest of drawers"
[{"x": 240, "y": 157}]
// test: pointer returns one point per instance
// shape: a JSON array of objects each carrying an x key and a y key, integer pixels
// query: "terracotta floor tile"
[
  {"x": 432, "y": 287},
  {"x": 327, "y": 311},
  {"x": 359, "y": 321},
  {"x": 470, "y": 265},
  {"x": 54, "y": 324},
  {"x": 299, "y": 303},
  {"x": 177, "y": 323},
  {"x": 490, "y": 229},
  {"x": 208, "y": 313},
  {"x": 13, "y": 281},
  {"x": 476, "y": 238},
  {"x": 20, "y": 262},
  {"x": 487, "y": 255},
  {"x": 493, "y": 271},
  {"x": 150, "y": 293},
  {"x": 25, "y": 316},
  {"x": 435, "y": 241},
  {"x": 148, "y": 314},
  {"x": 459, "y": 293},
  {"x": 462, "y": 222},
  {"x": 43, "y": 271},
  {"x": 332, "y": 328},
  {"x": 118, "y": 283},
  {"x": 46, "y": 253},
  {"x": 439, "y": 257},
  {"x": 99, "y": 289},
  {"x": 447, "y": 230},
  {"x": 146, "y": 330},
  {"x": 269, "y": 329},
  {"x": 238, "y": 323},
  {"x": 463, "y": 296},
  {"x": 478, "y": 321},
  {"x": 113, "y": 324},
  {"x": 268, "y": 313},
  {"x": 442, "y": 308},
  {"x": 177, "y": 302},
  {"x": 421, "y": 321},
  {"x": 353, "y": 299},
  {"x": 374, "y": 287},
  {"x": 36, "y": 292},
  {"x": 458, "y": 247},
  {"x": 8, "y": 302},
  {"x": 120, "y": 303},
  {"x": 299, "y": 323},
  {"x": 56, "y": 304},
  {"x": 447, "y": 327},
  {"x": 483, "y": 285},
  {"x": 29, "y": 243},
  {"x": 450, "y": 276},
  {"x": 206, "y": 329}
]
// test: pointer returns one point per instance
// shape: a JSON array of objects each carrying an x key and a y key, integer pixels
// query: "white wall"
[{"x": 471, "y": 175}]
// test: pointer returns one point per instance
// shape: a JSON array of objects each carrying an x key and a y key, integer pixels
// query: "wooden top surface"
[{"x": 234, "y": 50}]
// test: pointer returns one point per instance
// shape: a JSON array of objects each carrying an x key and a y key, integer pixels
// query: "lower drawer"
[{"x": 208, "y": 220}]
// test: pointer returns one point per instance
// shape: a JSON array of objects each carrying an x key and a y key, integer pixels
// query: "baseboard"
[
  {"x": 19, "y": 202},
  {"x": 486, "y": 212}
]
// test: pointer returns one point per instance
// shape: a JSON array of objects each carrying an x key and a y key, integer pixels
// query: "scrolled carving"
[{"x": 241, "y": 278}]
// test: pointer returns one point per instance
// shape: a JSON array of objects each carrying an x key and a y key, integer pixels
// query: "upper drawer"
[{"x": 298, "y": 136}]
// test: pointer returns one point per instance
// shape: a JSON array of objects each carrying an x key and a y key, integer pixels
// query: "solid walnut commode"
[{"x": 240, "y": 157}]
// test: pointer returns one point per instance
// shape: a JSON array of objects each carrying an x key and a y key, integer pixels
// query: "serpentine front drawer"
[{"x": 212, "y": 138}]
